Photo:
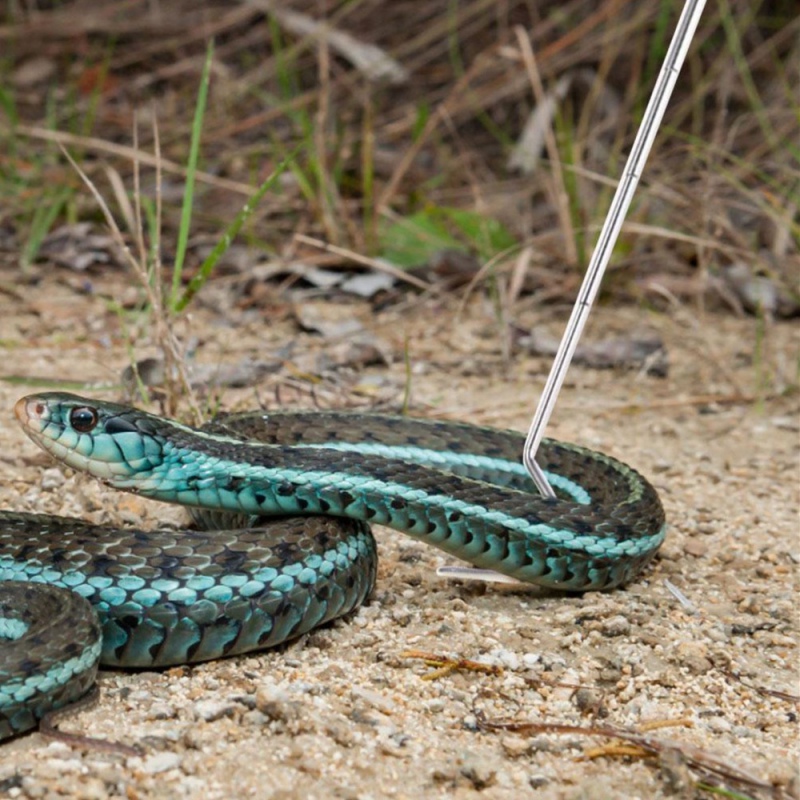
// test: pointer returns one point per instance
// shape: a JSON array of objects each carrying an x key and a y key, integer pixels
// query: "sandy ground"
[{"x": 341, "y": 713}]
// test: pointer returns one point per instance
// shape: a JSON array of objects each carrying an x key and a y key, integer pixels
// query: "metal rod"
[{"x": 681, "y": 39}]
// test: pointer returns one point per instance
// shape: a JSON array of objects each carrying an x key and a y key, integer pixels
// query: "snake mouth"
[
  {"x": 23, "y": 413},
  {"x": 35, "y": 417}
]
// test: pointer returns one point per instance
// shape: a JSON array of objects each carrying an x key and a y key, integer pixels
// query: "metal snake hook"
[{"x": 679, "y": 46}]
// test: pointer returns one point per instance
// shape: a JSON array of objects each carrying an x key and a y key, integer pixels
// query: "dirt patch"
[{"x": 341, "y": 712}]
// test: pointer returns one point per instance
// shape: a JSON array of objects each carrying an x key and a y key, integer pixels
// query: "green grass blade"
[
  {"x": 733, "y": 25},
  {"x": 224, "y": 242},
  {"x": 44, "y": 216},
  {"x": 191, "y": 170}
]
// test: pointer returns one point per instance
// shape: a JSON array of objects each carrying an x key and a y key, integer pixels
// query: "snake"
[{"x": 281, "y": 544}]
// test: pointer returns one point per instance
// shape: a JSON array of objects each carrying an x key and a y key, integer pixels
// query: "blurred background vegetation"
[{"x": 455, "y": 139}]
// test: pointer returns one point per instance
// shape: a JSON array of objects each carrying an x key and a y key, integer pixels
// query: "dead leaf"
[
  {"x": 33, "y": 71},
  {"x": 371, "y": 61},
  {"x": 332, "y": 321},
  {"x": 759, "y": 293},
  {"x": 645, "y": 351},
  {"x": 78, "y": 249},
  {"x": 363, "y": 351},
  {"x": 368, "y": 284}
]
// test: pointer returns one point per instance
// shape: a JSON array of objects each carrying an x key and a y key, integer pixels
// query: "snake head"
[{"x": 109, "y": 441}]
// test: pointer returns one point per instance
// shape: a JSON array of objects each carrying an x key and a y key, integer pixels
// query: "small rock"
[
  {"x": 161, "y": 711},
  {"x": 52, "y": 478},
  {"x": 530, "y": 660},
  {"x": 694, "y": 656},
  {"x": 255, "y": 719},
  {"x": 478, "y": 771},
  {"x": 515, "y": 746},
  {"x": 588, "y": 700},
  {"x": 708, "y": 528},
  {"x": 435, "y": 705},
  {"x": 719, "y": 725},
  {"x": 212, "y": 710},
  {"x": 695, "y": 548},
  {"x": 341, "y": 733},
  {"x": 444, "y": 774},
  {"x": 373, "y": 699},
  {"x": 616, "y": 626},
  {"x": 161, "y": 762},
  {"x": 274, "y": 702},
  {"x": 388, "y": 747},
  {"x": 508, "y": 659}
]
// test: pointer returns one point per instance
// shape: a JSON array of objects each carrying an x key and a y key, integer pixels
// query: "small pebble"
[
  {"x": 52, "y": 478},
  {"x": 617, "y": 626},
  {"x": 515, "y": 746},
  {"x": 696, "y": 548},
  {"x": 212, "y": 710},
  {"x": 161, "y": 762}
]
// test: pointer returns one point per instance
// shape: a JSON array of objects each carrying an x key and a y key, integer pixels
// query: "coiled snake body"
[{"x": 175, "y": 597}]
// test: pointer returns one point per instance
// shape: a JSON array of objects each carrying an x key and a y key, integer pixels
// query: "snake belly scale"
[{"x": 246, "y": 583}]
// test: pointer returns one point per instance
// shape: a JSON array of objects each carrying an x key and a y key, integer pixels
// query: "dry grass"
[{"x": 721, "y": 187}]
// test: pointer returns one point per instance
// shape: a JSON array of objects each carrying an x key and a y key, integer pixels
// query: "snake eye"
[{"x": 83, "y": 419}]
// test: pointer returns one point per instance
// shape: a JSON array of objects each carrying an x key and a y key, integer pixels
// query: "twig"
[
  {"x": 445, "y": 664},
  {"x": 703, "y": 760},
  {"x": 138, "y": 156},
  {"x": 48, "y": 729}
]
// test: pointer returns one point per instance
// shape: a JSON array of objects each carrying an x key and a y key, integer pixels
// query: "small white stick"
[
  {"x": 476, "y": 574},
  {"x": 681, "y": 39},
  {"x": 688, "y": 605}
]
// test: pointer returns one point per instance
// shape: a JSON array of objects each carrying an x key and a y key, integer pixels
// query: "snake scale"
[{"x": 174, "y": 597}]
